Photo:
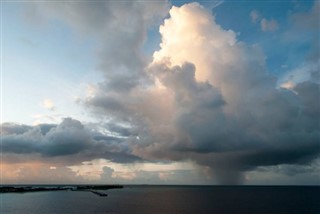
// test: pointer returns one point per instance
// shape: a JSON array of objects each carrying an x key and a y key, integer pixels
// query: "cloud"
[
  {"x": 303, "y": 34},
  {"x": 206, "y": 98},
  {"x": 269, "y": 25},
  {"x": 303, "y": 28},
  {"x": 212, "y": 4},
  {"x": 285, "y": 174},
  {"x": 222, "y": 108},
  {"x": 227, "y": 114},
  {"x": 307, "y": 20},
  {"x": 119, "y": 30},
  {"x": 47, "y": 118},
  {"x": 137, "y": 173},
  {"x": 38, "y": 173},
  {"x": 70, "y": 141},
  {"x": 48, "y": 104},
  {"x": 265, "y": 24},
  {"x": 155, "y": 176},
  {"x": 12, "y": 128},
  {"x": 308, "y": 71},
  {"x": 255, "y": 16}
]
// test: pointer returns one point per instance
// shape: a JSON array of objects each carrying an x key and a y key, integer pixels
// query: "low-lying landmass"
[{"x": 38, "y": 188}]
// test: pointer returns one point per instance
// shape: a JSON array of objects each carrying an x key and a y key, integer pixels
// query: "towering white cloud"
[
  {"x": 228, "y": 113},
  {"x": 213, "y": 102}
]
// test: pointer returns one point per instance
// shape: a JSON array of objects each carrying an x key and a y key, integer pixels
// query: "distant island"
[{"x": 38, "y": 188}]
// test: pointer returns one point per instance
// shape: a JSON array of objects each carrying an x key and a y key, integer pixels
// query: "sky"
[{"x": 160, "y": 92}]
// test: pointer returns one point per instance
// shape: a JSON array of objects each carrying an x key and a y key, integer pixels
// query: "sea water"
[{"x": 170, "y": 199}]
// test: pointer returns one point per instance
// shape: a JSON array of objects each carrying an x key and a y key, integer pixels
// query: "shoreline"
[{"x": 40, "y": 188}]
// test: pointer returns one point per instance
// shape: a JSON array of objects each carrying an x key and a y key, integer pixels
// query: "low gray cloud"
[
  {"x": 68, "y": 140},
  {"x": 12, "y": 128}
]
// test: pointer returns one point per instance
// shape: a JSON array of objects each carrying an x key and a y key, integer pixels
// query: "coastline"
[{"x": 39, "y": 188}]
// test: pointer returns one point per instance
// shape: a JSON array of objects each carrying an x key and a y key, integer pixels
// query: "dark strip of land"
[{"x": 35, "y": 188}]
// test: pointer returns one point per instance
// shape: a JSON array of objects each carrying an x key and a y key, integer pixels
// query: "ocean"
[{"x": 170, "y": 199}]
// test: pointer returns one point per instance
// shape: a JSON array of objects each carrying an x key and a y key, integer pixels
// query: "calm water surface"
[{"x": 169, "y": 199}]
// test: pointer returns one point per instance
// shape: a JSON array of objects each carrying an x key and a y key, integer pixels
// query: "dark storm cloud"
[
  {"x": 308, "y": 93},
  {"x": 281, "y": 128},
  {"x": 266, "y": 127}
]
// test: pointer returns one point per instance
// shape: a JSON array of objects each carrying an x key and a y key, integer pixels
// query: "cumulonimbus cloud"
[
  {"x": 205, "y": 97},
  {"x": 222, "y": 109}
]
